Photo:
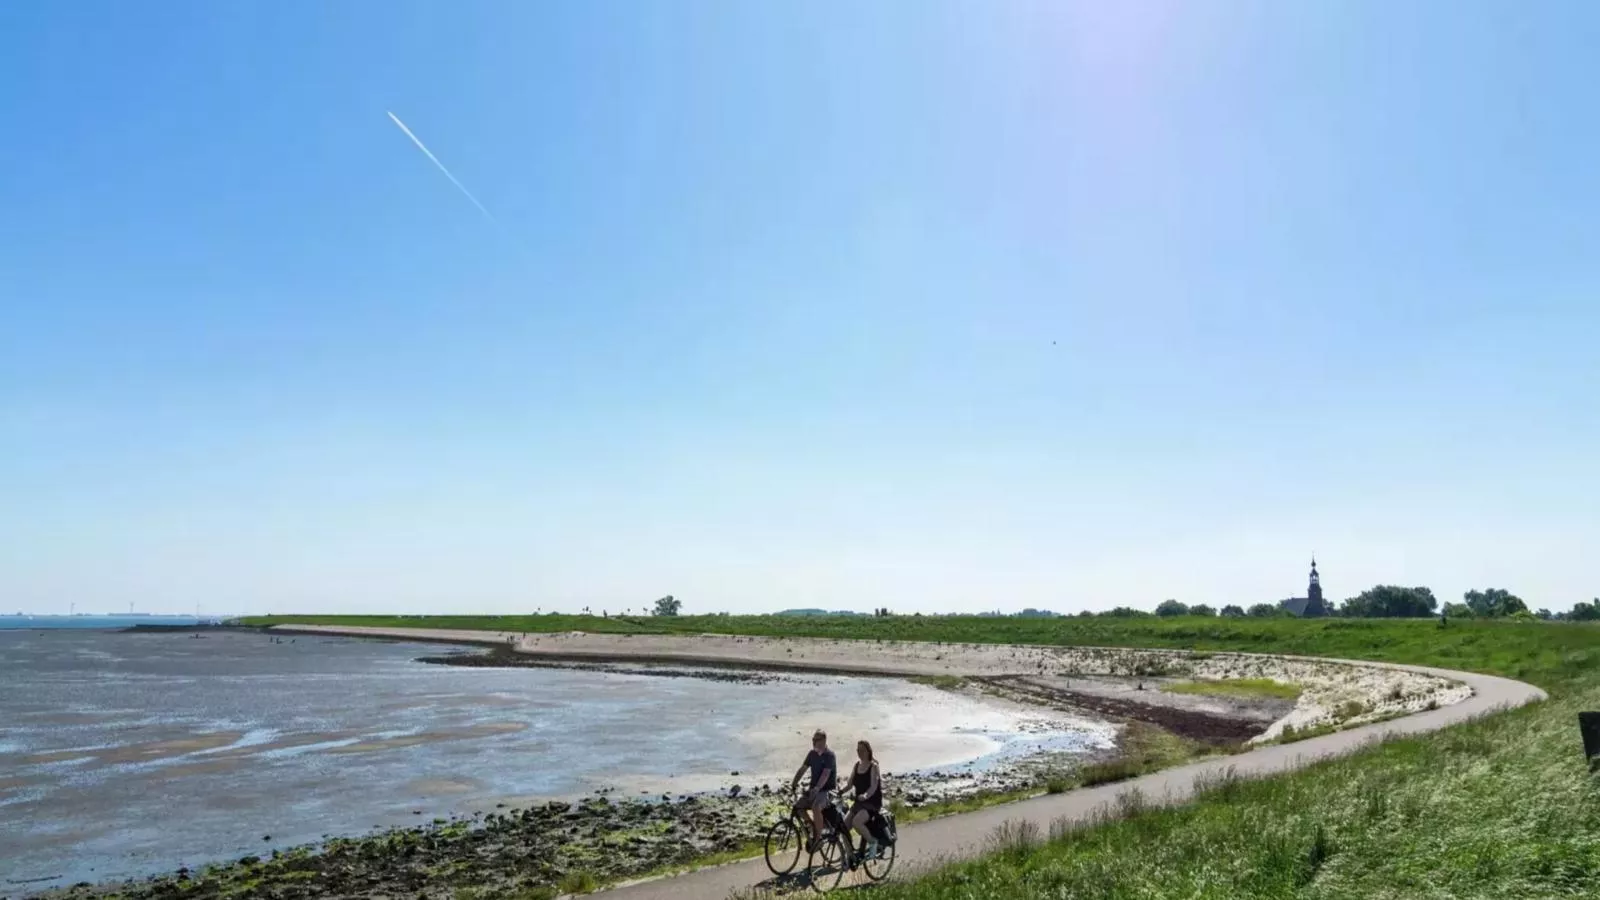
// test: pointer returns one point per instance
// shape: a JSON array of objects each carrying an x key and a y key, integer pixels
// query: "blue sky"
[{"x": 938, "y": 306}]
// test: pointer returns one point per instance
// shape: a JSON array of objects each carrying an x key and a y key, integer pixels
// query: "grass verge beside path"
[{"x": 1499, "y": 808}]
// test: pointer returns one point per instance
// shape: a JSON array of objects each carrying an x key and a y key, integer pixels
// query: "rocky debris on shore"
[
  {"x": 1333, "y": 694},
  {"x": 527, "y": 852},
  {"x": 1204, "y": 727},
  {"x": 502, "y": 853}
]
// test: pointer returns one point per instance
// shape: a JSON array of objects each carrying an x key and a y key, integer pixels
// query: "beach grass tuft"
[
  {"x": 1236, "y": 687},
  {"x": 578, "y": 883}
]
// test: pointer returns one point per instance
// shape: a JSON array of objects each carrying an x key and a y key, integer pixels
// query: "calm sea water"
[
  {"x": 123, "y": 754},
  {"x": 92, "y": 622}
]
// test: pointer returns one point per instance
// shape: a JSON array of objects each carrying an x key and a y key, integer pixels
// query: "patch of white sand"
[{"x": 911, "y": 728}]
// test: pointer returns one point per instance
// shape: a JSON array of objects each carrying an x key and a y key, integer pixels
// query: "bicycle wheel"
[
  {"x": 878, "y": 867},
  {"x": 782, "y": 847},
  {"x": 826, "y": 865}
]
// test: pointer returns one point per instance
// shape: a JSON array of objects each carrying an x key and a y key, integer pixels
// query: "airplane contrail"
[{"x": 424, "y": 148}]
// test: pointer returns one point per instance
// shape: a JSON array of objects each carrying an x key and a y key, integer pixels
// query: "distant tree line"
[
  {"x": 1582, "y": 612},
  {"x": 1388, "y": 601},
  {"x": 1493, "y": 603},
  {"x": 1385, "y": 601},
  {"x": 1171, "y": 608}
]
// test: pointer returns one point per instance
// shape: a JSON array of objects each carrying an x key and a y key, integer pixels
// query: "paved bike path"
[{"x": 963, "y": 836}]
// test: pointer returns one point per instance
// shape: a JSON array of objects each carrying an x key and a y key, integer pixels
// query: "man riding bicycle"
[{"x": 824, "y": 769}]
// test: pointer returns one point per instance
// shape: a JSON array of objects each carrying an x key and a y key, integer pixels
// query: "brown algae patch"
[
  {"x": 220, "y": 766},
  {"x": 55, "y": 756},
  {"x": 149, "y": 751},
  {"x": 12, "y": 784},
  {"x": 55, "y": 717},
  {"x": 487, "y": 729},
  {"x": 168, "y": 749},
  {"x": 441, "y": 787}
]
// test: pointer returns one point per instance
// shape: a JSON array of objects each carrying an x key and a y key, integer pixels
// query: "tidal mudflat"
[{"x": 126, "y": 754}]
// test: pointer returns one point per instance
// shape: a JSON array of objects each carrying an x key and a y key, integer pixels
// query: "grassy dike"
[{"x": 1503, "y": 807}]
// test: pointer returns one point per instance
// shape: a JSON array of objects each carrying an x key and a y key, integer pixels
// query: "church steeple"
[{"x": 1314, "y": 604}]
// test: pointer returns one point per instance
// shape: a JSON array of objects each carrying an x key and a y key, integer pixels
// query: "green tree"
[
  {"x": 668, "y": 606},
  {"x": 1171, "y": 608},
  {"x": 1387, "y": 601},
  {"x": 1458, "y": 611},
  {"x": 1266, "y": 610},
  {"x": 1494, "y": 603},
  {"x": 1585, "y": 612},
  {"x": 1233, "y": 611},
  {"x": 1200, "y": 609}
]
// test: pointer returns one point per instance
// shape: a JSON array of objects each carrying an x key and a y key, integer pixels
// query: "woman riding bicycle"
[{"x": 868, "y": 786}]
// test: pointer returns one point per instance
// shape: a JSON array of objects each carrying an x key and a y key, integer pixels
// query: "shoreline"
[
  {"x": 1338, "y": 693},
  {"x": 609, "y": 839}
]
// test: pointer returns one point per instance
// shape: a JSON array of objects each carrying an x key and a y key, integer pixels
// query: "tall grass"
[{"x": 1502, "y": 807}]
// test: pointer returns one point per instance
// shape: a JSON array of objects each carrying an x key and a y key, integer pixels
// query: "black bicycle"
[{"x": 786, "y": 839}]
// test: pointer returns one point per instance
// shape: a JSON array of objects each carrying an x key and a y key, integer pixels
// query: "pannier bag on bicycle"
[{"x": 882, "y": 827}]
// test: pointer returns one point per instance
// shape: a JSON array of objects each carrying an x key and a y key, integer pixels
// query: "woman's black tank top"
[{"x": 862, "y": 782}]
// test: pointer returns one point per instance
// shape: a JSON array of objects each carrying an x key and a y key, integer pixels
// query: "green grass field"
[{"x": 1499, "y": 808}]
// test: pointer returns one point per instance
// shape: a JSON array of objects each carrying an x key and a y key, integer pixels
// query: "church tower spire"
[{"x": 1314, "y": 603}]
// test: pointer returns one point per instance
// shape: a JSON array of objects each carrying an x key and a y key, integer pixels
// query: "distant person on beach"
[
  {"x": 824, "y": 769},
  {"x": 868, "y": 786}
]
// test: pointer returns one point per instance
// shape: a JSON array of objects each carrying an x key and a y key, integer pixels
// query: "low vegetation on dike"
[
  {"x": 1236, "y": 687},
  {"x": 1500, "y": 807}
]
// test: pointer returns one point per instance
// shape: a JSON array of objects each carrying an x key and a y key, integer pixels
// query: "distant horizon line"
[{"x": 122, "y": 615}]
